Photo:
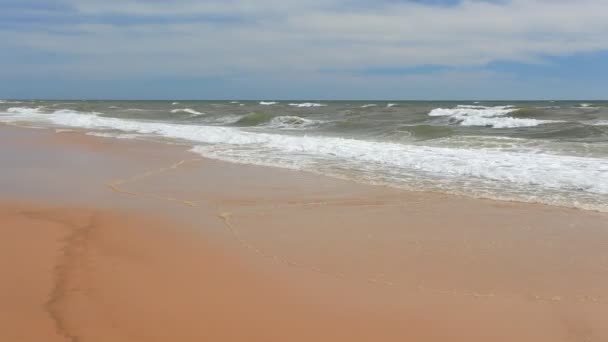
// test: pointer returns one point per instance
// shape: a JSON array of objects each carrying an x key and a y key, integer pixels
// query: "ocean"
[{"x": 550, "y": 152}]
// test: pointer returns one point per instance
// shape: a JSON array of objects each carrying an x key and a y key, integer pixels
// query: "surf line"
[{"x": 117, "y": 186}]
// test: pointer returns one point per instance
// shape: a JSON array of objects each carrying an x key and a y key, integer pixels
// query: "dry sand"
[{"x": 106, "y": 240}]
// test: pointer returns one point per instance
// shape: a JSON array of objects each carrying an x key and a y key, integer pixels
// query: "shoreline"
[
  {"x": 189, "y": 250},
  {"x": 477, "y": 165},
  {"x": 186, "y": 149}
]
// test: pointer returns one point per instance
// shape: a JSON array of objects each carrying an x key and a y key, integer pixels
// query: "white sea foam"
[
  {"x": 292, "y": 122},
  {"x": 175, "y": 103},
  {"x": 506, "y": 122},
  {"x": 369, "y": 105},
  {"x": 307, "y": 105},
  {"x": 598, "y": 123},
  {"x": 24, "y": 110},
  {"x": 187, "y": 110},
  {"x": 587, "y": 106},
  {"x": 268, "y": 103},
  {"x": 114, "y": 135},
  {"x": 223, "y": 120},
  {"x": 526, "y": 176},
  {"x": 467, "y": 115},
  {"x": 391, "y": 105}
]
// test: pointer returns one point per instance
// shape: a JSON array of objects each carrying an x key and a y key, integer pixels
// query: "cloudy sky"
[{"x": 304, "y": 49}]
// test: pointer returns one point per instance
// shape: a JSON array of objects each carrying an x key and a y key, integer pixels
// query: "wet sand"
[{"x": 116, "y": 240}]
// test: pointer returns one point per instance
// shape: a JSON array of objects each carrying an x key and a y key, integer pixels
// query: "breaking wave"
[
  {"x": 292, "y": 122},
  {"x": 279, "y": 122},
  {"x": 253, "y": 119},
  {"x": 538, "y": 177},
  {"x": 598, "y": 123},
  {"x": 307, "y": 105},
  {"x": 188, "y": 111},
  {"x": 467, "y": 115}
]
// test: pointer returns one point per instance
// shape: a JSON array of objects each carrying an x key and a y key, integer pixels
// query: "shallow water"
[{"x": 547, "y": 152}]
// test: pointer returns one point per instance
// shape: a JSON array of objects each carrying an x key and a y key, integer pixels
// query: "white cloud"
[{"x": 304, "y": 36}]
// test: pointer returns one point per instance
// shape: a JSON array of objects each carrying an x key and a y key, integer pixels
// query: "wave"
[
  {"x": 467, "y": 115},
  {"x": 307, "y": 105},
  {"x": 187, "y": 110},
  {"x": 24, "y": 110},
  {"x": 292, "y": 122},
  {"x": 506, "y": 122},
  {"x": 598, "y": 123},
  {"x": 426, "y": 132},
  {"x": 175, "y": 103},
  {"x": 390, "y": 105},
  {"x": 253, "y": 119},
  {"x": 280, "y": 122},
  {"x": 569, "y": 180},
  {"x": 587, "y": 106},
  {"x": 369, "y": 105},
  {"x": 530, "y": 112},
  {"x": 268, "y": 103}
]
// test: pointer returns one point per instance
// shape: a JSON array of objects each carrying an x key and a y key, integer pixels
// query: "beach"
[{"x": 107, "y": 239}]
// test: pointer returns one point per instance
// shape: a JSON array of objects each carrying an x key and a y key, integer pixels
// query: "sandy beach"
[{"x": 126, "y": 240}]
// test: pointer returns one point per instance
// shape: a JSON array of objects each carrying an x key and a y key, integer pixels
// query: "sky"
[{"x": 304, "y": 49}]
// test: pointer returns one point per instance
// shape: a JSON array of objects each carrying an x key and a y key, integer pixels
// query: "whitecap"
[
  {"x": 391, "y": 105},
  {"x": 268, "y": 103},
  {"x": 292, "y": 122},
  {"x": 525, "y": 175},
  {"x": 24, "y": 110},
  {"x": 597, "y": 123},
  {"x": 369, "y": 105},
  {"x": 187, "y": 110},
  {"x": 468, "y": 115},
  {"x": 307, "y": 105},
  {"x": 503, "y": 122}
]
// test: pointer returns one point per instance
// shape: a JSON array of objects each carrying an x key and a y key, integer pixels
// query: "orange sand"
[{"x": 117, "y": 245}]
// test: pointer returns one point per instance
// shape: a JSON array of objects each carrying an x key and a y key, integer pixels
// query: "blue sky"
[{"x": 293, "y": 49}]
